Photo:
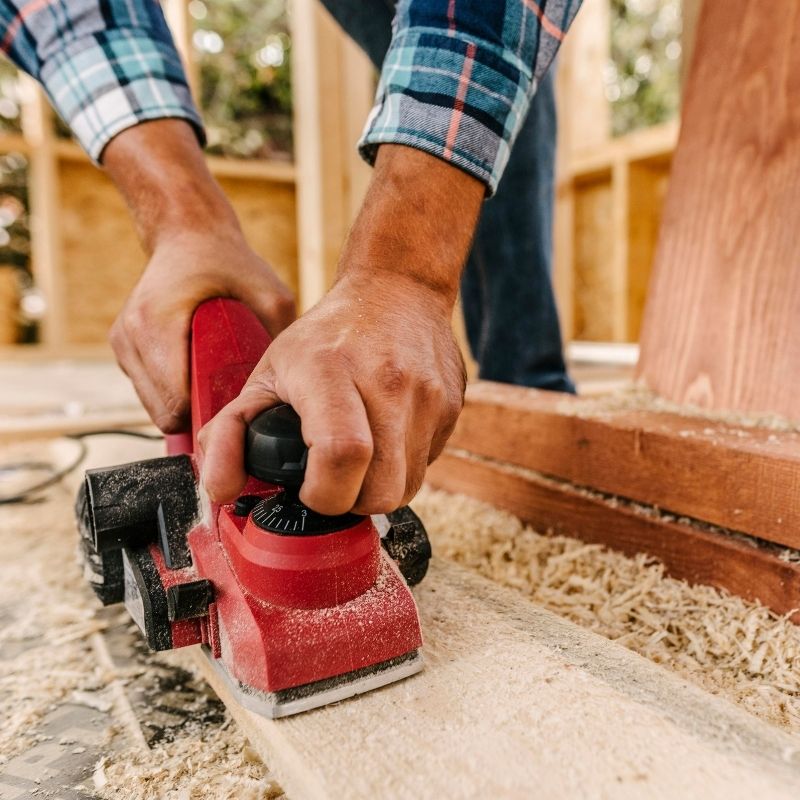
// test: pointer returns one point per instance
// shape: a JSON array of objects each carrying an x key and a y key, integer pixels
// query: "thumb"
[
  {"x": 222, "y": 440},
  {"x": 273, "y": 303}
]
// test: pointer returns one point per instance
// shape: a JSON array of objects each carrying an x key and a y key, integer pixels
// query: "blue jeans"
[{"x": 506, "y": 288}]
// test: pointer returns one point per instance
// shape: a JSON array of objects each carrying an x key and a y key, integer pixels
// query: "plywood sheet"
[{"x": 101, "y": 256}]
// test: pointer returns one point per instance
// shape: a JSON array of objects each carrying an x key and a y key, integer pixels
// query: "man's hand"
[
  {"x": 197, "y": 251},
  {"x": 372, "y": 370}
]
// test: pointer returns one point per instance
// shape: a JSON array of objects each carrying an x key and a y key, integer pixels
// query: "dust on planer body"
[{"x": 294, "y": 609}]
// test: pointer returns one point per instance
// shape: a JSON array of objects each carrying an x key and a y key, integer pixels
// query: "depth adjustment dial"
[
  {"x": 276, "y": 453},
  {"x": 284, "y": 514}
]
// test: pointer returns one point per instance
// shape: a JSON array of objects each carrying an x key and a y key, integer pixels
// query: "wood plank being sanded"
[
  {"x": 743, "y": 478},
  {"x": 516, "y": 702}
]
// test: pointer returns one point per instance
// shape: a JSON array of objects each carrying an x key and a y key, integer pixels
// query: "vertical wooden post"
[
  {"x": 37, "y": 128},
  {"x": 690, "y": 14},
  {"x": 584, "y": 121},
  {"x": 332, "y": 97},
  {"x": 180, "y": 23},
  {"x": 618, "y": 273}
]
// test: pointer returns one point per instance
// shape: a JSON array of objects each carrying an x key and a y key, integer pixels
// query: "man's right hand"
[{"x": 196, "y": 251}]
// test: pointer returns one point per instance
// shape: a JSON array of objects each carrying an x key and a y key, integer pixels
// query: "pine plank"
[
  {"x": 516, "y": 701},
  {"x": 746, "y": 479},
  {"x": 721, "y": 324}
]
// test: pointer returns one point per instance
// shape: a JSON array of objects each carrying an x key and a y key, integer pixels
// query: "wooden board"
[
  {"x": 722, "y": 325},
  {"x": 688, "y": 551},
  {"x": 514, "y": 700},
  {"x": 747, "y": 479}
]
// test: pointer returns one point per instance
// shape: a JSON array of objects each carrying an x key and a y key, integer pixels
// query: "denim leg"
[
  {"x": 507, "y": 294},
  {"x": 506, "y": 290},
  {"x": 367, "y": 22}
]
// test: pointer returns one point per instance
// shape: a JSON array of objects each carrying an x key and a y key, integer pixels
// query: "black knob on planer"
[{"x": 275, "y": 451}]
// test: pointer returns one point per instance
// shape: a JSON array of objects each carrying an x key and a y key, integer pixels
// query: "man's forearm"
[
  {"x": 416, "y": 223},
  {"x": 160, "y": 171}
]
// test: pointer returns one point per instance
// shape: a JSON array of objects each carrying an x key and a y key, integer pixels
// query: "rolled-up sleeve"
[
  {"x": 459, "y": 76},
  {"x": 106, "y": 64}
]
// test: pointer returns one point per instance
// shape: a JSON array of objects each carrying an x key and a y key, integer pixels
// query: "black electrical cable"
[{"x": 57, "y": 475}]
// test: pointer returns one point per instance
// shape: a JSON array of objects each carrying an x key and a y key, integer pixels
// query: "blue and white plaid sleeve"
[
  {"x": 106, "y": 64},
  {"x": 459, "y": 77}
]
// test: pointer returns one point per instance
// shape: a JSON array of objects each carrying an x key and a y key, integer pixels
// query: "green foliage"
[
  {"x": 15, "y": 240},
  {"x": 243, "y": 51},
  {"x": 10, "y": 112},
  {"x": 642, "y": 79}
]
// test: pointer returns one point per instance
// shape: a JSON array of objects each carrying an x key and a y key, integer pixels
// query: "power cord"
[{"x": 29, "y": 494}]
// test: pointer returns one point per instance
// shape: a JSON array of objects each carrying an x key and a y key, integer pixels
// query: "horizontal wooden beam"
[
  {"x": 688, "y": 551},
  {"x": 647, "y": 144},
  {"x": 743, "y": 478},
  {"x": 247, "y": 168}
]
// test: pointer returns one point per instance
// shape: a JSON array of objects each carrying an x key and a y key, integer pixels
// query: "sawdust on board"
[
  {"x": 48, "y": 616},
  {"x": 637, "y": 397},
  {"x": 728, "y": 646}
]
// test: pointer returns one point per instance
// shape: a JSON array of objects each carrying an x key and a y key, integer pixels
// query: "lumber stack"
[{"x": 715, "y": 501}]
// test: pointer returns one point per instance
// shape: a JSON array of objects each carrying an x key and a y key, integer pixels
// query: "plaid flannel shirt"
[{"x": 457, "y": 80}]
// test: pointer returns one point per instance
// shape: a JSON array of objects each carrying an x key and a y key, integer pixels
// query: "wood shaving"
[
  {"x": 48, "y": 617},
  {"x": 728, "y": 646},
  {"x": 213, "y": 764}
]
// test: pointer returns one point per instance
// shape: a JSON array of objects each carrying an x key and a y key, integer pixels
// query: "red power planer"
[{"x": 294, "y": 609}]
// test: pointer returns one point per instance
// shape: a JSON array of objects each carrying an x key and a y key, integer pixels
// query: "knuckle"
[
  {"x": 285, "y": 303},
  {"x": 170, "y": 418},
  {"x": 345, "y": 451},
  {"x": 379, "y": 501},
  {"x": 432, "y": 390},
  {"x": 116, "y": 336},
  {"x": 413, "y": 486},
  {"x": 167, "y": 423},
  {"x": 134, "y": 319},
  {"x": 453, "y": 406},
  {"x": 392, "y": 377}
]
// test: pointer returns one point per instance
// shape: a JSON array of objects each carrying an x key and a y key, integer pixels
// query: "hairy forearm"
[
  {"x": 160, "y": 171},
  {"x": 417, "y": 222}
]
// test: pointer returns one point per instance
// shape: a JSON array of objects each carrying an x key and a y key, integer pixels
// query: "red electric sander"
[{"x": 294, "y": 609}]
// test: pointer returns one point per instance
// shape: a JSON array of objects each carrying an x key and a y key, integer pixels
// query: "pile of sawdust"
[
  {"x": 728, "y": 646},
  {"x": 210, "y": 763},
  {"x": 48, "y": 617},
  {"x": 46, "y": 621}
]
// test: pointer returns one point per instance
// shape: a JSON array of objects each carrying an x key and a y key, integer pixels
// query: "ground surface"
[{"x": 86, "y": 712}]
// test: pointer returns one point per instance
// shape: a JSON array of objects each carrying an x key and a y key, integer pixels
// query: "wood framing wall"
[
  {"x": 85, "y": 255},
  {"x": 609, "y": 194}
]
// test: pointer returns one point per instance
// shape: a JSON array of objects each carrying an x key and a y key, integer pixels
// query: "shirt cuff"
[
  {"x": 457, "y": 98},
  {"x": 113, "y": 80}
]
